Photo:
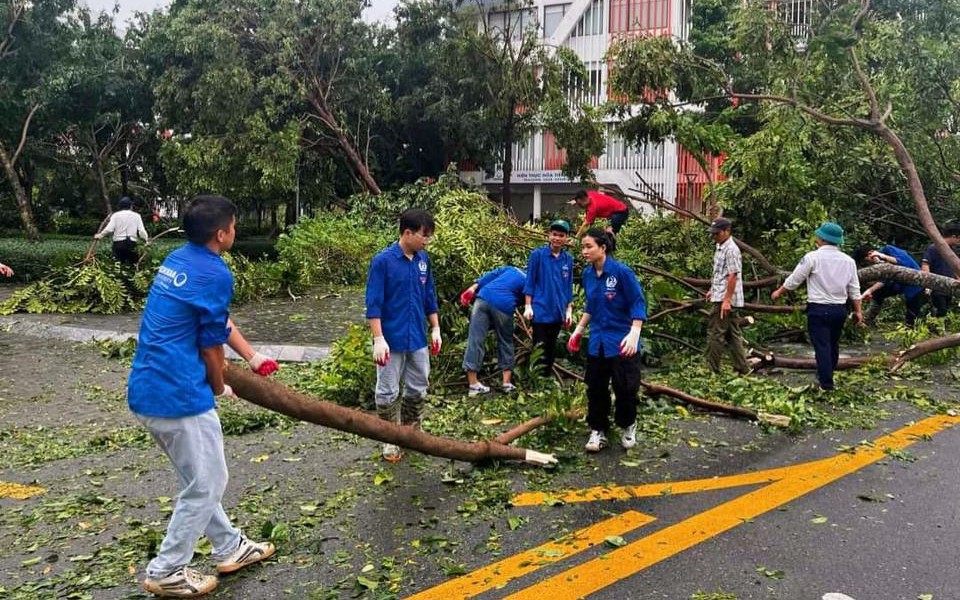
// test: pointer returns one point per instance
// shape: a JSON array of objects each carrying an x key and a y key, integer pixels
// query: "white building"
[{"x": 589, "y": 27}]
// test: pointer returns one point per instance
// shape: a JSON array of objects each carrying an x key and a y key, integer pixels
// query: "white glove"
[
  {"x": 628, "y": 346},
  {"x": 435, "y": 341},
  {"x": 568, "y": 319},
  {"x": 381, "y": 351},
  {"x": 227, "y": 391},
  {"x": 528, "y": 312},
  {"x": 262, "y": 365}
]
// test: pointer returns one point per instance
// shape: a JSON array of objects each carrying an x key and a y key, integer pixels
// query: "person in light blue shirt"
[
  {"x": 176, "y": 376},
  {"x": 400, "y": 294},
  {"x": 498, "y": 293},
  {"x": 549, "y": 292},
  {"x": 878, "y": 292},
  {"x": 615, "y": 311}
]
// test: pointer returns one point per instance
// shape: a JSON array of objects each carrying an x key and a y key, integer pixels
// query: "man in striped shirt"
[
  {"x": 831, "y": 278},
  {"x": 726, "y": 296}
]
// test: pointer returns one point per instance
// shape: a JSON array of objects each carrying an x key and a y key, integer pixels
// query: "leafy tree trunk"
[
  {"x": 508, "y": 133},
  {"x": 353, "y": 157},
  {"x": 20, "y": 193}
]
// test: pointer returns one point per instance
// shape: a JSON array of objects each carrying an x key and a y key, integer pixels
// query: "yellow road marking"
[
  {"x": 18, "y": 491},
  {"x": 792, "y": 482},
  {"x": 500, "y": 573},
  {"x": 783, "y": 485}
]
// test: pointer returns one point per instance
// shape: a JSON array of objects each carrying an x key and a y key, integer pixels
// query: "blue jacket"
[
  {"x": 502, "y": 288},
  {"x": 614, "y": 300},
  {"x": 186, "y": 311},
  {"x": 549, "y": 284},
  {"x": 903, "y": 260},
  {"x": 401, "y": 293}
]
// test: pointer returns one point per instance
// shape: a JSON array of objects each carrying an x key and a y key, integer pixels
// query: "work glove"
[
  {"x": 467, "y": 297},
  {"x": 568, "y": 319},
  {"x": 227, "y": 391},
  {"x": 628, "y": 345},
  {"x": 263, "y": 365},
  {"x": 573, "y": 344},
  {"x": 435, "y": 341},
  {"x": 381, "y": 351},
  {"x": 528, "y": 312}
]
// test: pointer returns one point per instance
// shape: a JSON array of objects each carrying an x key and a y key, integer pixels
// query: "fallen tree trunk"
[
  {"x": 894, "y": 360},
  {"x": 906, "y": 276},
  {"x": 276, "y": 397}
]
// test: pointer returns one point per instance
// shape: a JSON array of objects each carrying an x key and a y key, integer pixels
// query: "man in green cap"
[{"x": 831, "y": 278}]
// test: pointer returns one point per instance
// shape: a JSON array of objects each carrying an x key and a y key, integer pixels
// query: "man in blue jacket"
[
  {"x": 400, "y": 294},
  {"x": 548, "y": 292},
  {"x": 498, "y": 293},
  {"x": 881, "y": 290},
  {"x": 176, "y": 377}
]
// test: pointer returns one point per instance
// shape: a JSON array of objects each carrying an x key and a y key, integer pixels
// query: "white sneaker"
[
  {"x": 247, "y": 553},
  {"x": 628, "y": 437},
  {"x": 182, "y": 583},
  {"x": 597, "y": 441},
  {"x": 392, "y": 453},
  {"x": 508, "y": 388},
  {"x": 477, "y": 388}
]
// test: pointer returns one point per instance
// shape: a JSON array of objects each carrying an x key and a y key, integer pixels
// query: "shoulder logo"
[{"x": 179, "y": 280}]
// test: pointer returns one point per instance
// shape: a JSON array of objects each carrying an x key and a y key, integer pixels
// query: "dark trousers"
[
  {"x": 913, "y": 306},
  {"x": 617, "y": 220},
  {"x": 625, "y": 376},
  {"x": 125, "y": 251},
  {"x": 545, "y": 335},
  {"x": 824, "y": 325},
  {"x": 939, "y": 304}
]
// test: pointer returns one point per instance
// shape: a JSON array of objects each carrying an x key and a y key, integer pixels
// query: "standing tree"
[
  {"x": 885, "y": 69},
  {"x": 35, "y": 44}
]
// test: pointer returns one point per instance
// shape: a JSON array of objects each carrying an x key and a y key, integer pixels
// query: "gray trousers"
[
  {"x": 413, "y": 370},
  {"x": 195, "y": 447}
]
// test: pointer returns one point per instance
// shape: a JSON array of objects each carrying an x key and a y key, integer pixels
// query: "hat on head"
[
  {"x": 560, "y": 225},
  {"x": 125, "y": 202},
  {"x": 830, "y": 232},
  {"x": 720, "y": 224}
]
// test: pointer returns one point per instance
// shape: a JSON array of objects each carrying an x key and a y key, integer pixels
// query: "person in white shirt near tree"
[{"x": 126, "y": 227}]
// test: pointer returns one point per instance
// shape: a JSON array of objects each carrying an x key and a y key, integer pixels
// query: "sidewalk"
[{"x": 41, "y": 327}]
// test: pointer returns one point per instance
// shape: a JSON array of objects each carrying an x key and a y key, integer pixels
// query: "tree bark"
[
  {"x": 276, "y": 397},
  {"x": 353, "y": 157},
  {"x": 905, "y": 275},
  {"x": 508, "y": 132},
  {"x": 24, "y": 207}
]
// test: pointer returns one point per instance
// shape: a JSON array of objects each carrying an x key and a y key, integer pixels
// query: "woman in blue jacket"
[{"x": 615, "y": 310}]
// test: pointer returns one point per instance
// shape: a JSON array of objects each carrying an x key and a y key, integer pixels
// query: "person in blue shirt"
[
  {"x": 400, "y": 294},
  {"x": 498, "y": 293},
  {"x": 177, "y": 375},
  {"x": 933, "y": 262},
  {"x": 615, "y": 311},
  {"x": 878, "y": 292},
  {"x": 548, "y": 293}
]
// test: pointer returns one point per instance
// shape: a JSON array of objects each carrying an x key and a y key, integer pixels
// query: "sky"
[{"x": 380, "y": 9}]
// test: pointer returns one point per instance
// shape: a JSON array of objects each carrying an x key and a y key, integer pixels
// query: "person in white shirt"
[
  {"x": 126, "y": 227},
  {"x": 831, "y": 278}
]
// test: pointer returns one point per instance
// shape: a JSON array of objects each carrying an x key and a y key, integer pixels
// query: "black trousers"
[
  {"x": 825, "y": 325},
  {"x": 545, "y": 335},
  {"x": 125, "y": 251},
  {"x": 939, "y": 304},
  {"x": 624, "y": 373},
  {"x": 913, "y": 306}
]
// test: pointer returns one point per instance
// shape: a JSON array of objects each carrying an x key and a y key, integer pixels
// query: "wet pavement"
[{"x": 285, "y": 328}]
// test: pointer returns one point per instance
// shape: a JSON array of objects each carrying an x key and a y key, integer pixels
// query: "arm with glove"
[
  {"x": 260, "y": 364},
  {"x": 573, "y": 344}
]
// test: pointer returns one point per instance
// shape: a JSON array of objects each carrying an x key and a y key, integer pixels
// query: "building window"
[
  {"x": 591, "y": 23},
  {"x": 552, "y": 15},
  {"x": 513, "y": 23}
]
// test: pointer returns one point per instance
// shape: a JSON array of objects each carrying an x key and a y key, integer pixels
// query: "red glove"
[
  {"x": 573, "y": 345},
  {"x": 435, "y": 341},
  {"x": 467, "y": 297},
  {"x": 263, "y": 365}
]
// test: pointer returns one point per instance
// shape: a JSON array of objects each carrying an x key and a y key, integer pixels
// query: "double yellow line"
[{"x": 779, "y": 486}]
